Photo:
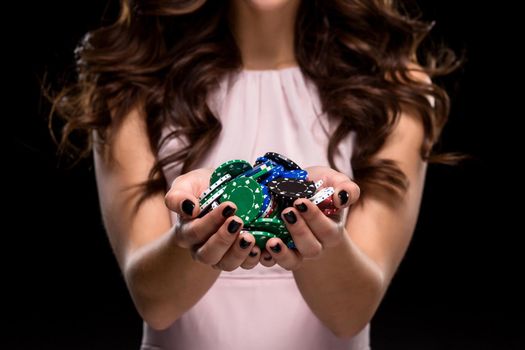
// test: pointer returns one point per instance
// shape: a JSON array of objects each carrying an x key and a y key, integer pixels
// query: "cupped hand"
[
  {"x": 216, "y": 239},
  {"x": 312, "y": 231}
]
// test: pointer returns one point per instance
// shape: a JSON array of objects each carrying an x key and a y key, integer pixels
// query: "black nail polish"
[
  {"x": 276, "y": 248},
  {"x": 301, "y": 207},
  {"x": 268, "y": 258},
  {"x": 233, "y": 226},
  {"x": 187, "y": 207},
  {"x": 228, "y": 211},
  {"x": 253, "y": 254},
  {"x": 343, "y": 196},
  {"x": 244, "y": 244},
  {"x": 290, "y": 217}
]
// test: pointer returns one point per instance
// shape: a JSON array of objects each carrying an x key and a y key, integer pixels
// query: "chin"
[{"x": 269, "y": 5}]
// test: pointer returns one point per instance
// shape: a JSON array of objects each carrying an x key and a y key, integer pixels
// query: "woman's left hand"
[{"x": 312, "y": 231}]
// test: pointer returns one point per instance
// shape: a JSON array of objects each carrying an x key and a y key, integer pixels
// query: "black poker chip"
[
  {"x": 291, "y": 189},
  {"x": 287, "y": 163}
]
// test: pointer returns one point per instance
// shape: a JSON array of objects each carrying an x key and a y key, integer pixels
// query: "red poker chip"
[{"x": 331, "y": 211}]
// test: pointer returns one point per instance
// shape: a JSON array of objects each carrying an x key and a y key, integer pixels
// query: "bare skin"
[{"x": 342, "y": 267}]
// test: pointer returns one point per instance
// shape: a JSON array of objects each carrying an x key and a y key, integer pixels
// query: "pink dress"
[{"x": 261, "y": 111}]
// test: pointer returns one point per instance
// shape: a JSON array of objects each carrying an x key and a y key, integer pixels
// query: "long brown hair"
[{"x": 166, "y": 55}]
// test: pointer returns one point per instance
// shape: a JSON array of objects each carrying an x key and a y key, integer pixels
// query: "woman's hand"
[
  {"x": 312, "y": 231},
  {"x": 216, "y": 238}
]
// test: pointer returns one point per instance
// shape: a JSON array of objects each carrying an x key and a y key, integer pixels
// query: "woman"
[{"x": 174, "y": 88}]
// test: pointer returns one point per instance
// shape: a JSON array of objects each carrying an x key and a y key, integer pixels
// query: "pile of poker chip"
[{"x": 262, "y": 191}]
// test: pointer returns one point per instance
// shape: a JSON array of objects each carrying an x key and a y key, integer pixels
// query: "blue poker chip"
[
  {"x": 276, "y": 172},
  {"x": 260, "y": 160},
  {"x": 295, "y": 174},
  {"x": 267, "y": 198},
  {"x": 257, "y": 169}
]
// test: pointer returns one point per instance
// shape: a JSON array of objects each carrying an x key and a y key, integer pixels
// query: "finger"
[
  {"x": 238, "y": 252},
  {"x": 324, "y": 229},
  {"x": 199, "y": 230},
  {"x": 183, "y": 203},
  {"x": 185, "y": 189},
  {"x": 253, "y": 258},
  {"x": 266, "y": 259},
  {"x": 346, "y": 191},
  {"x": 219, "y": 243},
  {"x": 287, "y": 258},
  {"x": 305, "y": 241}
]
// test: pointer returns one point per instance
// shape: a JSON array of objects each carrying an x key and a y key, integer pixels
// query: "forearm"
[
  {"x": 164, "y": 280},
  {"x": 343, "y": 287}
]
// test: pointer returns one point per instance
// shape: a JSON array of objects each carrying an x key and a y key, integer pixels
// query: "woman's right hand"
[{"x": 216, "y": 239}]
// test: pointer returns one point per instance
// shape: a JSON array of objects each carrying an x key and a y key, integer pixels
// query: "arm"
[
  {"x": 164, "y": 280},
  {"x": 354, "y": 263},
  {"x": 346, "y": 284}
]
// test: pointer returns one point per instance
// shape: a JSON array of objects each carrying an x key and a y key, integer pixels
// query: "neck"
[{"x": 265, "y": 36}]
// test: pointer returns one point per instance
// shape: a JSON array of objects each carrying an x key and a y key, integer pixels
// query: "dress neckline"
[{"x": 275, "y": 70}]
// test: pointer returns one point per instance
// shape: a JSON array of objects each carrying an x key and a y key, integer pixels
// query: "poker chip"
[
  {"x": 259, "y": 170},
  {"x": 262, "y": 191},
  {"x": 328, "y": 203},
  {"x": 262, "y": 170},
  {"x": 323, "y": 194},
  {"x": 212, "y": 198},
  {"x": 292, "y": 188},
  {"x": 272, "y": 225},
  {"x": 330, "y": 211},
  {"x": 287, "y": 239},
  {"x": 214, "y": 186},
  {"x": 267, "y": 198},
  {"x": 247, "y": 195},
  {"x": 233, "y": 167},
  {"x": 261, "y": 160},
  {"x": 295, "y": 174},
  {"x": 270, "y": 208},
  {"x": 261, "y": 237},
  {"x": 276, "y": 172},
  {"x": 287, "y": 163}
]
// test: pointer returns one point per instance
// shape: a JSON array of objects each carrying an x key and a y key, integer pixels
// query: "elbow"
[
  {"x": 156, "y": 320},
  {"x": 348, "y": 331},
  {"x": 356, "y": 319},
  {"x": 154, "y": 309}
]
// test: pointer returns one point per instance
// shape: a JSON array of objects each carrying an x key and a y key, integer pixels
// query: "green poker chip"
[
  {"x": 247, "y": 195},
  {"x": 233, "y": 167},
  {"x": 272, "y": 225},
  {"x": 287, "y": 239},
  {"x": 261, "y": 237}
]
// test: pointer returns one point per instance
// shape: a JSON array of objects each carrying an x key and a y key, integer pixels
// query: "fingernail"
[
  {"x": 343, "y": 196},
  {"x": 233, "y": 226},
  {"x": 276, "y": 248},
  {"x": 187, "y": 207},
  {"x": 244, "y": 244},
  {"x": 228, "y": 211},
  {"x": 301, "y": 207},
  {"x": 290, "y": 217},
  {"x": 268, "y": 258},
  {"x": 253, "y": 254}
]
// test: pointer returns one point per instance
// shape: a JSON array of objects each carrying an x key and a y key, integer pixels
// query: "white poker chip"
[
  {"x": 322, "y": 195},
  {"x": 318, "y": 184},
  {"x": 214, "y": 186},
  {"x": 214, "y": 196}
]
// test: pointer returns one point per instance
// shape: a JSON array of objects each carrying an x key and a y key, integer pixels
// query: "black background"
[{"x": 456, "y": 289}]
